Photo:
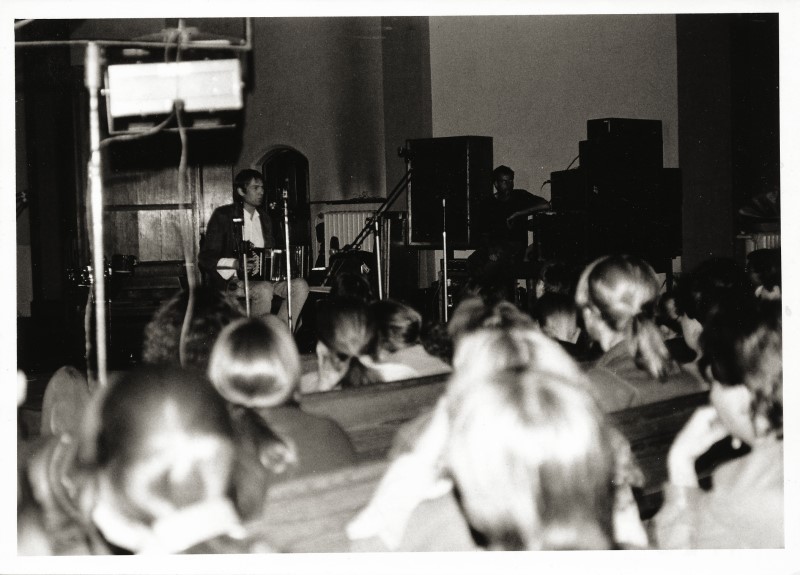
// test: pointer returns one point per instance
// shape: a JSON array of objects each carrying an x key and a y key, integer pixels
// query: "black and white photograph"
[{"x": 377, "y": 287}]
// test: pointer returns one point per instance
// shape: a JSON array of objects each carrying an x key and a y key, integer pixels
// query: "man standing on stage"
[{"x": 231, "y": 230}]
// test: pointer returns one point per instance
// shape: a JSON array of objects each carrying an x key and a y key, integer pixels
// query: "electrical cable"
[
  {"x": 129, "y": 137},
  {"x": 573, "y": 161}
]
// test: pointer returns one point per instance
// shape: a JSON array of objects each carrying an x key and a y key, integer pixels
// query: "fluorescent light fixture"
[{"x": 148, "y": 89}]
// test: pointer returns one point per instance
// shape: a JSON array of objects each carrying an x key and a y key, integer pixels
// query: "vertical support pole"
[
  {"x": 444, "y": 258},
  {"x": 285, "y": 194},
  {"x": 378, "y": 255},
  {"x": 92, "y": 82}
]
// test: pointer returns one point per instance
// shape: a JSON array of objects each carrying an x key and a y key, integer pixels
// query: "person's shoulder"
[{"x": 223, "y": 211}]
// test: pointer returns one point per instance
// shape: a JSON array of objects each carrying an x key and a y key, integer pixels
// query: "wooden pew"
[
  {"x": 651, "y": 429},
  {"x": 371, "y": 415},
  {"x": 310, "y": 514}
]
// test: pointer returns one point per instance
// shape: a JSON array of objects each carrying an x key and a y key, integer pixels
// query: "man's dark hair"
[
  {"x": 241, "y": 180},
  {"x": 502, "y": 171}
]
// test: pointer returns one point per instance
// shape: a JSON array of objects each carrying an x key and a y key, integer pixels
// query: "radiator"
[
  {"x": 756, "y": 241},
  {"x": 345, "y": 225}
]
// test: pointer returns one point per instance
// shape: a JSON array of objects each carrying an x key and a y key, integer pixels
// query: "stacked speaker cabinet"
[
  {"x": 457, "y": 170},
  {"x": 621, "y": 194}
]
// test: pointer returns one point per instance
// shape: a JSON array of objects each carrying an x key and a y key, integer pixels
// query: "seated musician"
[
  {"x": 231, "y": 230},
  {"x": 498, "y": 261}
]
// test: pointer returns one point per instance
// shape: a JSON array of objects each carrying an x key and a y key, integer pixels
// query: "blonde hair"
[
  {"x": 623, "y": 291},
  {"x": 532, "y": 461},
  {"x": 490, "y": 350},
  {"x": 255, "y": 363}
]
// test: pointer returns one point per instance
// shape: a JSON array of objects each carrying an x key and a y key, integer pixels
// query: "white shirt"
[{"x": 251, "y": 232}]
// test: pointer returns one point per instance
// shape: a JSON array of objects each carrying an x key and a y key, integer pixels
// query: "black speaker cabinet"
[{"x": 458, "y": 170}]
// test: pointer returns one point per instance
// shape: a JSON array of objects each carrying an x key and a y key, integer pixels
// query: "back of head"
[
  {"x": 532, "y": 461},
  {"x": 707, "y": 286},
  {"x": 164, "y": 442},
  {"x": 255, "y": 363},
  {"x": 399, "y": 326},
  {"x": 557, "y": 316},
  {"x": 742, "y": 344},
  {"x": 765, "y": 267},
  {"x": 491, "y": 350},
  {"x": 473, "y": 313},
  {"x": 347, "y": 330},
  {"x": 211, "y": 311},
  {"x": 621, "y": 292},
  {"x": 351, "y": 285},
  {"x": 556, "y": 277}
]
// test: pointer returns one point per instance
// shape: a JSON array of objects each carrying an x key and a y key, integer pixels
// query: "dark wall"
[
  {"x": 406, "y": 90},
  {"x": 728, "y": 124}
]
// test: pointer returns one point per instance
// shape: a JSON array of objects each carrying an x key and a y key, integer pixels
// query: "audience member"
[
  {"x": 742, "y": 359},
  {"x": 555, "y": 276},
  {"x": 558, "y": 319},
  {"x": 255, "y": 365},
  {"x": 400, "y": 505},
  {"x": 352, "y": 285},
  {"x": 701, "y": 291},
  {"x": 156, "y": 468},
  {"x": 165, "y": 467},
  {"x": 617, "y": 297},
  {"x": 474, "y": 313},
  {"x": 532, "y": 463},
  {"x": 764, "y": 269},
  {"x": 347, "y": 349},
  {"x": 175, "y": 336},
  {"x": 399, "y": 330}
]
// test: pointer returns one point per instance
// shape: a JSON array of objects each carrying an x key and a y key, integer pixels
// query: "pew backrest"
[
  {"x": 372, "y": 414},
  {"x": 311, "y": 514}
]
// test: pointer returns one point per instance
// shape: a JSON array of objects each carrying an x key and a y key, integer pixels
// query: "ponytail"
[{"x": 647, "y": 345}]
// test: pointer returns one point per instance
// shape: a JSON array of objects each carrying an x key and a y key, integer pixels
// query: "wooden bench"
[
  {"x": 650, "y": 429},
  {"x": 371, "y": 415},
  {"x": 311, "y": 514}
]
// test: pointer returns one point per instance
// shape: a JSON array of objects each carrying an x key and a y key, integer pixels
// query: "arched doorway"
[{"x": 286, "y": 168}]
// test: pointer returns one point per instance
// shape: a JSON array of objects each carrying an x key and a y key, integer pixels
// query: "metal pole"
[
  {"x": 444, "y": 259},
  {"x": 246, "y": 282},
  {"x": 288, "y": 255},
  {"x": 92, "y": 81},
  {"x": 377, "y": 225}
]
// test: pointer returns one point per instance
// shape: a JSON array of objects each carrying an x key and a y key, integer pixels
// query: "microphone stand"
[
  {"x": 246, "y": 281},
  {"x": 444, "y": 259},
  {"x": 239, "y": 220},
  {"x": 285, "y": 193},
  {"x": 378, "y": 256}
]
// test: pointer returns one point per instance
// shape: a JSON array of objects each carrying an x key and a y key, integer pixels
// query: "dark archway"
[{"x": 285, "y": 167}]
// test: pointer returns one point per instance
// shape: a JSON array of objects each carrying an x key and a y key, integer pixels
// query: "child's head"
[
  {"x": 532, "y": 462},
  {"x": 255, "y": 363},
  {"x": 164, "y": 444},
  {"x": 558, "y": 317},
  {"x": 398, "y": 325}
]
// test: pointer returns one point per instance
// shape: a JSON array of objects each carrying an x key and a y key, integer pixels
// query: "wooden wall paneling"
[
  {"x": 149, "y": 234},
  {"x": 120, "y": 233},
  {"x": 172, "y": 224},
  {"x": 215, "y": 191}
]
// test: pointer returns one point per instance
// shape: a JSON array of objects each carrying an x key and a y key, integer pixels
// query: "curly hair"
[{"x": 211, "y": 312}]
